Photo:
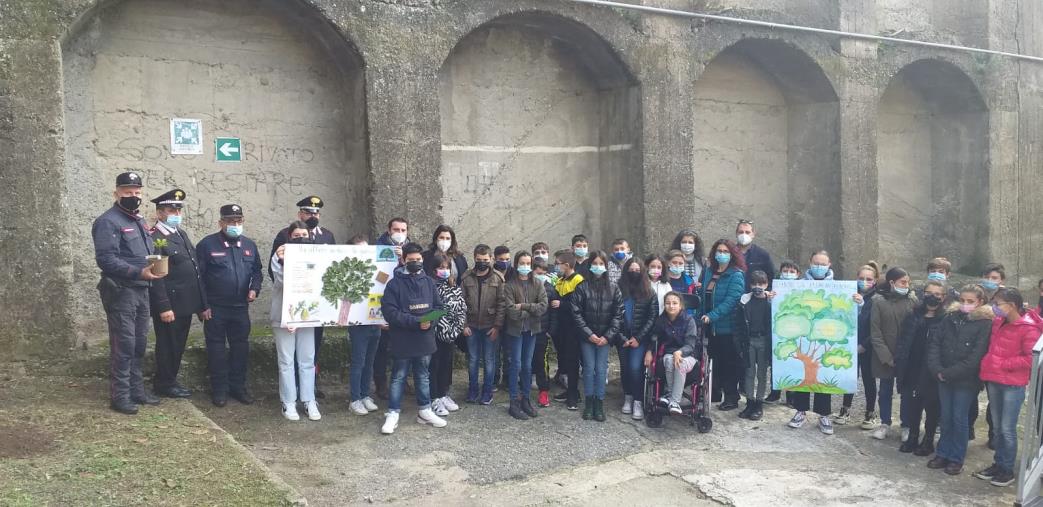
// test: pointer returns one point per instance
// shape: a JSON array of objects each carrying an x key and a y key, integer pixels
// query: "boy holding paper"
[{"x": 410, "y": 305}]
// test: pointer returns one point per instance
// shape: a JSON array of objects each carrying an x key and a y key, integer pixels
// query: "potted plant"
[
  {"x": 345, "y": 282},
  {"x": 159, "y": 262}
]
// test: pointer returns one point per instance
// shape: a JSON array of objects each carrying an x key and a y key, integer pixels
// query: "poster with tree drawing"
[
  {"x": 335, "y": 285},
  {"x": 814, "y": 336}
]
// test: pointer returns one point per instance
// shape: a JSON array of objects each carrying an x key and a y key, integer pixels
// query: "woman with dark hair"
[
  {"x": 1005, "y": 369},
  {"x": 444, "y": 240},
  {"x": 892, "y": 303},
  {"x": 689, "y": 243},
  {"x": 597, "y": 309},
  {"x": 447, "y": 330},
  {"x": 723, "y": 283},
  {"x": 640, "y": 309},
  {"x": 525, "y": 302}
]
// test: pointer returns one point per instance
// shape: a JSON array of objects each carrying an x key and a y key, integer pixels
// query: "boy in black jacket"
[
  {"x": 753, "y": 332},
  {"x": 550, "y": 328}
]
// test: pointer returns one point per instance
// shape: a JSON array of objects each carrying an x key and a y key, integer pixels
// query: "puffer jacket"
[
  {"x": 956, "y": 349},
  {"x": 678, "y": 334},
  {"x": 889, "y": 310},
  {"x": 532, "y": 297},
  {"x": 1009, "y": 359},
  {"x": 642, "y": 322},
  {"x": 597, "y": 311},
  {"x": 549, "y": 321},
  {"x": 911, "y": 355},
  {"x": 484, "y": 299},
  {"x": 721, "y": 307}
]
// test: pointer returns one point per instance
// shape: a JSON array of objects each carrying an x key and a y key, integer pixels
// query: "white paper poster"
[
  {"x": 186, "y": 136},
  {"x": 335, "y": 285}
]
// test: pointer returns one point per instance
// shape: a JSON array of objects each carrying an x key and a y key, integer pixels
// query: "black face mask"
[
  {"x": 312, "y": 222},
  {"x": 481, "y": 265},
  {"x": 130, "y": 203},
  {"x": 414, "y": 267},
  {"x": 931, "y": 300},
  {"x": 503, "y": 265},
  {"x": 633, "y": 276},
  {"x": 300, "y": 241}
]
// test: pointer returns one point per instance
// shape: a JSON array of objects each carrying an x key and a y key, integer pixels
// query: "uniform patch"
[
  {"x": 128, "y": 229},
  {"x": 248, "y": 253},
  {"x": 217, "y": 254}
]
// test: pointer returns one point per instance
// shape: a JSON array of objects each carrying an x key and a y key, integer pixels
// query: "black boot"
[
  {"x": 588, "y": 408},
  {"x": 745, "y": 412},
  {"x": 758, "y": 411},
  {"x": 926, "y": 447},
  {"x": 599, "y": 410},
  {"x": 124, "y": 407},
  {"x": 516, "y": 411},
  {"x": 146, "y": 398},
  {"x": 526, "y": 406}
]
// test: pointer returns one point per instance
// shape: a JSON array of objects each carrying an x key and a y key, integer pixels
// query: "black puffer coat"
[
  {"x": 641, "y": 326},
  {"x": 598, "y": 309},
  {"x": 911, "y": 357},
  {"x": 956, "y": 349}
]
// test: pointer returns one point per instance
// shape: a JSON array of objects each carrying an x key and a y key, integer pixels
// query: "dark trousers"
[
  {"x": 441, "y": 369},
  {"x": 380, "y": 363},
  {"x": 568, "y": 363},
  {"x": 558, "y": 345},
  {"x": 170, "y": 347},
  {"x": 539, "y": 364},
  {"x": 227, "y": 348},
  {"x": 865, "y": 366},
  {"x": 728, "y": 367},
  {"x": 127, "y": 314},
  {"x": 922, "y": 402},
  {"x": 802, "y": 402}
]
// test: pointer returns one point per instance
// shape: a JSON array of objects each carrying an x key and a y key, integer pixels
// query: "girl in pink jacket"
[{"x": 1005, "y": 369}]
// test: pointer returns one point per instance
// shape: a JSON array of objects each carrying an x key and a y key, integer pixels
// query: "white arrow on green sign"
[{"x": 228, "y": 149}]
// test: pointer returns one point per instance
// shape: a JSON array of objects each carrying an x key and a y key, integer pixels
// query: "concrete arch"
[
  {"x": 766, "y": 148},
  {"x": 932, "y": 166},
  {"x": 538, "y": 106},
  {"x": 276, "y": 74}
]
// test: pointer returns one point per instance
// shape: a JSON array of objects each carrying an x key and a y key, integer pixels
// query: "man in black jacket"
[
  {"x": 177, "y": 297},
  {"x": 757, "y": 258}
]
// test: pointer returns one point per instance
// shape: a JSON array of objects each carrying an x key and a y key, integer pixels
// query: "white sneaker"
[
  {"x": 797, "y": 420},
  {"x": 390, "y": 423},
  {"x": 358, "y": 407},
  {"x": 289, "y": 411},
  {"x": 449, "y": 404},
  {"x": 638, "y": 413},
  {"x": 825, "y": 425},
  {"x": 426, "y": 416},
  {"x": 675, "y": 408},
  {"x": 439, "y": 408},
  {"x": 369, "y": 404},
  {"x": 628, "y": 403},
  {"x": 880, "y": 432},
  {"x": 313, "y": 411},
  {"x": 905, "y": 434}
]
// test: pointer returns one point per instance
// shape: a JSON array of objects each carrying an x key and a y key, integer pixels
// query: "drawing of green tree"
[
  {"x": 347, "y": 281},
  {"x": 813, "y": 328}
]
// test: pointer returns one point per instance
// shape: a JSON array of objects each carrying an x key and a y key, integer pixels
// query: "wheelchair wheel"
[
  {"x": 704, "y": 425},
  {"x": 654, "y": 418}
]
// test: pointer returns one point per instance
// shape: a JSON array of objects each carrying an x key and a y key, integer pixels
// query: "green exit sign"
[{"x": 228, "y": 149}]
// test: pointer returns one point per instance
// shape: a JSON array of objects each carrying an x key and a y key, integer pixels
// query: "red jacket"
[{"x": 1009, "y": 359}]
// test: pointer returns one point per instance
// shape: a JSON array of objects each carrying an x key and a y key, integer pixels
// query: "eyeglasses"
[{"x": 745, "y": 221}]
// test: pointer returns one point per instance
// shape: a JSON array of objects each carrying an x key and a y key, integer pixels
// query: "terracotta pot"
[{"x": 160, "y": 264}]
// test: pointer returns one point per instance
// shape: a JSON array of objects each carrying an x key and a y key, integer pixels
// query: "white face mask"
[
  {"x": 398, "y": 237},
  {"x": 687, "y": 248},
  {"x": 744, "y": 239},
  {"x": 444, "y": 244}
]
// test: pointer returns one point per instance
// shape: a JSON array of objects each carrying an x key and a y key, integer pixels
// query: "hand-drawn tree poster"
[
  {"x": 335, "y": 285},
  {"x": 814, "y": 336}
]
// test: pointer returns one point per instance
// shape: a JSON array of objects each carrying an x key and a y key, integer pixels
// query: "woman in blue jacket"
[{"x": 723, "y": 283}]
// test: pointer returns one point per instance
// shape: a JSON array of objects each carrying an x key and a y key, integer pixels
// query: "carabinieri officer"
[
  {"x": 121, "y": 243},
  {"x": 230, "y": 266},
  {"x": 176, "y": 298}
]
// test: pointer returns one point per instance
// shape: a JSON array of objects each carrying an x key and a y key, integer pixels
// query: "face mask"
[
  {"x": 655, "y": 273},
  {"x": 173, "y": 221},
  {"x": 523, "y": 270},
  {"x": 758, "y": 291},
  {"x": 442, "y": 273},
  {"x": 633, "y": 276},
  {"x": 901, "y": 291},
  {"x": 545, "y": 257},
  {"x": 414, "y": 267},
  {"x": 676, "y": 270},
  {"x": 744, "y": 239},
  {"x": 818, "y": 271},
  {"x": 620, "y": 256},
  {"x": 312, "y": 222},
  {"x": 597, "y": 270},
  {"x": 580, "y": 252},
  {"x": 481, "y": 265},
  {"x": 130, "y": 203},
  {"x": 687, "y": 248},
  {"x": 989, "y": 285},
  {"x": 300, "y": 241},
  {"x": 788, "y": 276},
  {"x": 398, "y": 237},
  {"x": 931, "y": 300},
  {"x": 502, "y": 265},
  {"x": 936, "y": 276},
  {"x": 722, "y": 258},
  {"x": 864, "y": 285},
  {"x": 967, "y": 308},
  {"x": 444, "y": 244},
  {"x": 233, "y": 231},
  {"x": 999, "y": 312},
  {"x": 542, "y": 278}
]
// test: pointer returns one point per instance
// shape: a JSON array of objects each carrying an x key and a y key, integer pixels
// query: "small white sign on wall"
[{"x": 186, "y": 136}]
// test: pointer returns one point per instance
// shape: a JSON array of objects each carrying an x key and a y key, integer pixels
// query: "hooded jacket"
[
  {"x": 406, "y": 299},
  {"x": 1009, "y": 359},
  {"x": 955, "y": 351},
  {"x": 911, "y": 355},
  {"x": 889, "y": 310}
]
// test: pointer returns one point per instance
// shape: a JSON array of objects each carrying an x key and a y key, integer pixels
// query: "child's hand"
[
  {"x": 859, "y": 300},
  {"x": 677, "y": 359},
  {"x": 648, "y": 359},
  {"x": 770, "y": 294}
]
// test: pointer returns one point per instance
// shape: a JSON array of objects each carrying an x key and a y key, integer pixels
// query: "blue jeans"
[
  {"x": 956, "y": 404},
  {"x": 884, "y": 397},
  {"x": 479, "y": 346},
  {"x": 364, "y": 341},
  {"x": 632, "y": 374},
  {"x": 421, "y": 382},
  {"x": 1005, "y": 405},
  {"x": 519, "y": 369},
  {"x": 595, "y": 368}
]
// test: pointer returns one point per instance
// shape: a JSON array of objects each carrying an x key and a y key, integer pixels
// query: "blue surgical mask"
[
  {"x": 722, "y": 257},
  {"x": 619, "y": 256},
  {"x": 788, "y": 276},
  {"x": 677, "y": 270},
  {"x": 542, "y": 278},
  {"x": 818, "y": 271},
  {"x": 173, "y": 221},
  {"x": 990, "y": 285},
  {"x": 998, "y": 311},
  {"x": 580, "y": 251},
  {"x": 597, "y": 270},
  {"x": 901, "y": 291},
  {"x": 936, "y": 276},
  {"x": 233, "y": 231},
  {"x": 524, "y": 269}
]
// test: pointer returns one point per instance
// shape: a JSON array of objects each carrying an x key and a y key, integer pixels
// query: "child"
[
  {"x": 568, "y": 355},
  {"x": 620, "y": 254},
  {"x": 549, "y": 327},
  {"x": 919, "y": 389},
  {"x": 525, "y": 302},
  {"x": 293, "y": 342},
  {"x": 676, "y": 331},
  {"x": 676, "y": 275},
  {"x": 640, "y": 309},
  {"x": 753, "y": 332},
  {"x": 867, "y": 277},
  {"x": 597, "y": 309},
  {"x": 364, "y": 341},
  {"x": 992, "y": 278},
  {"x": 691, "y": 247},
  {"x": 581, "y": 249},
  {"x": 439, "y": 266},
  {"x": 891, "y": 305},
  {"x": 788, "y": 270},
  {"x": 656, "y": 267},
  {"x": 483, "y": 294}
]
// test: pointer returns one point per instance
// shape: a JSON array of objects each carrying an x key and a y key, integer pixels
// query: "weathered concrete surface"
[{"x": 365, "y": 86}]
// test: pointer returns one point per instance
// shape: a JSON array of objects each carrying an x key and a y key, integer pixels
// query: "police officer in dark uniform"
[
  {"x": 177, "y": 297},
  {"x": 121, "y": 243},
  {"x": 230, "y": 267},
  {"x": 309, "y": 211}
]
